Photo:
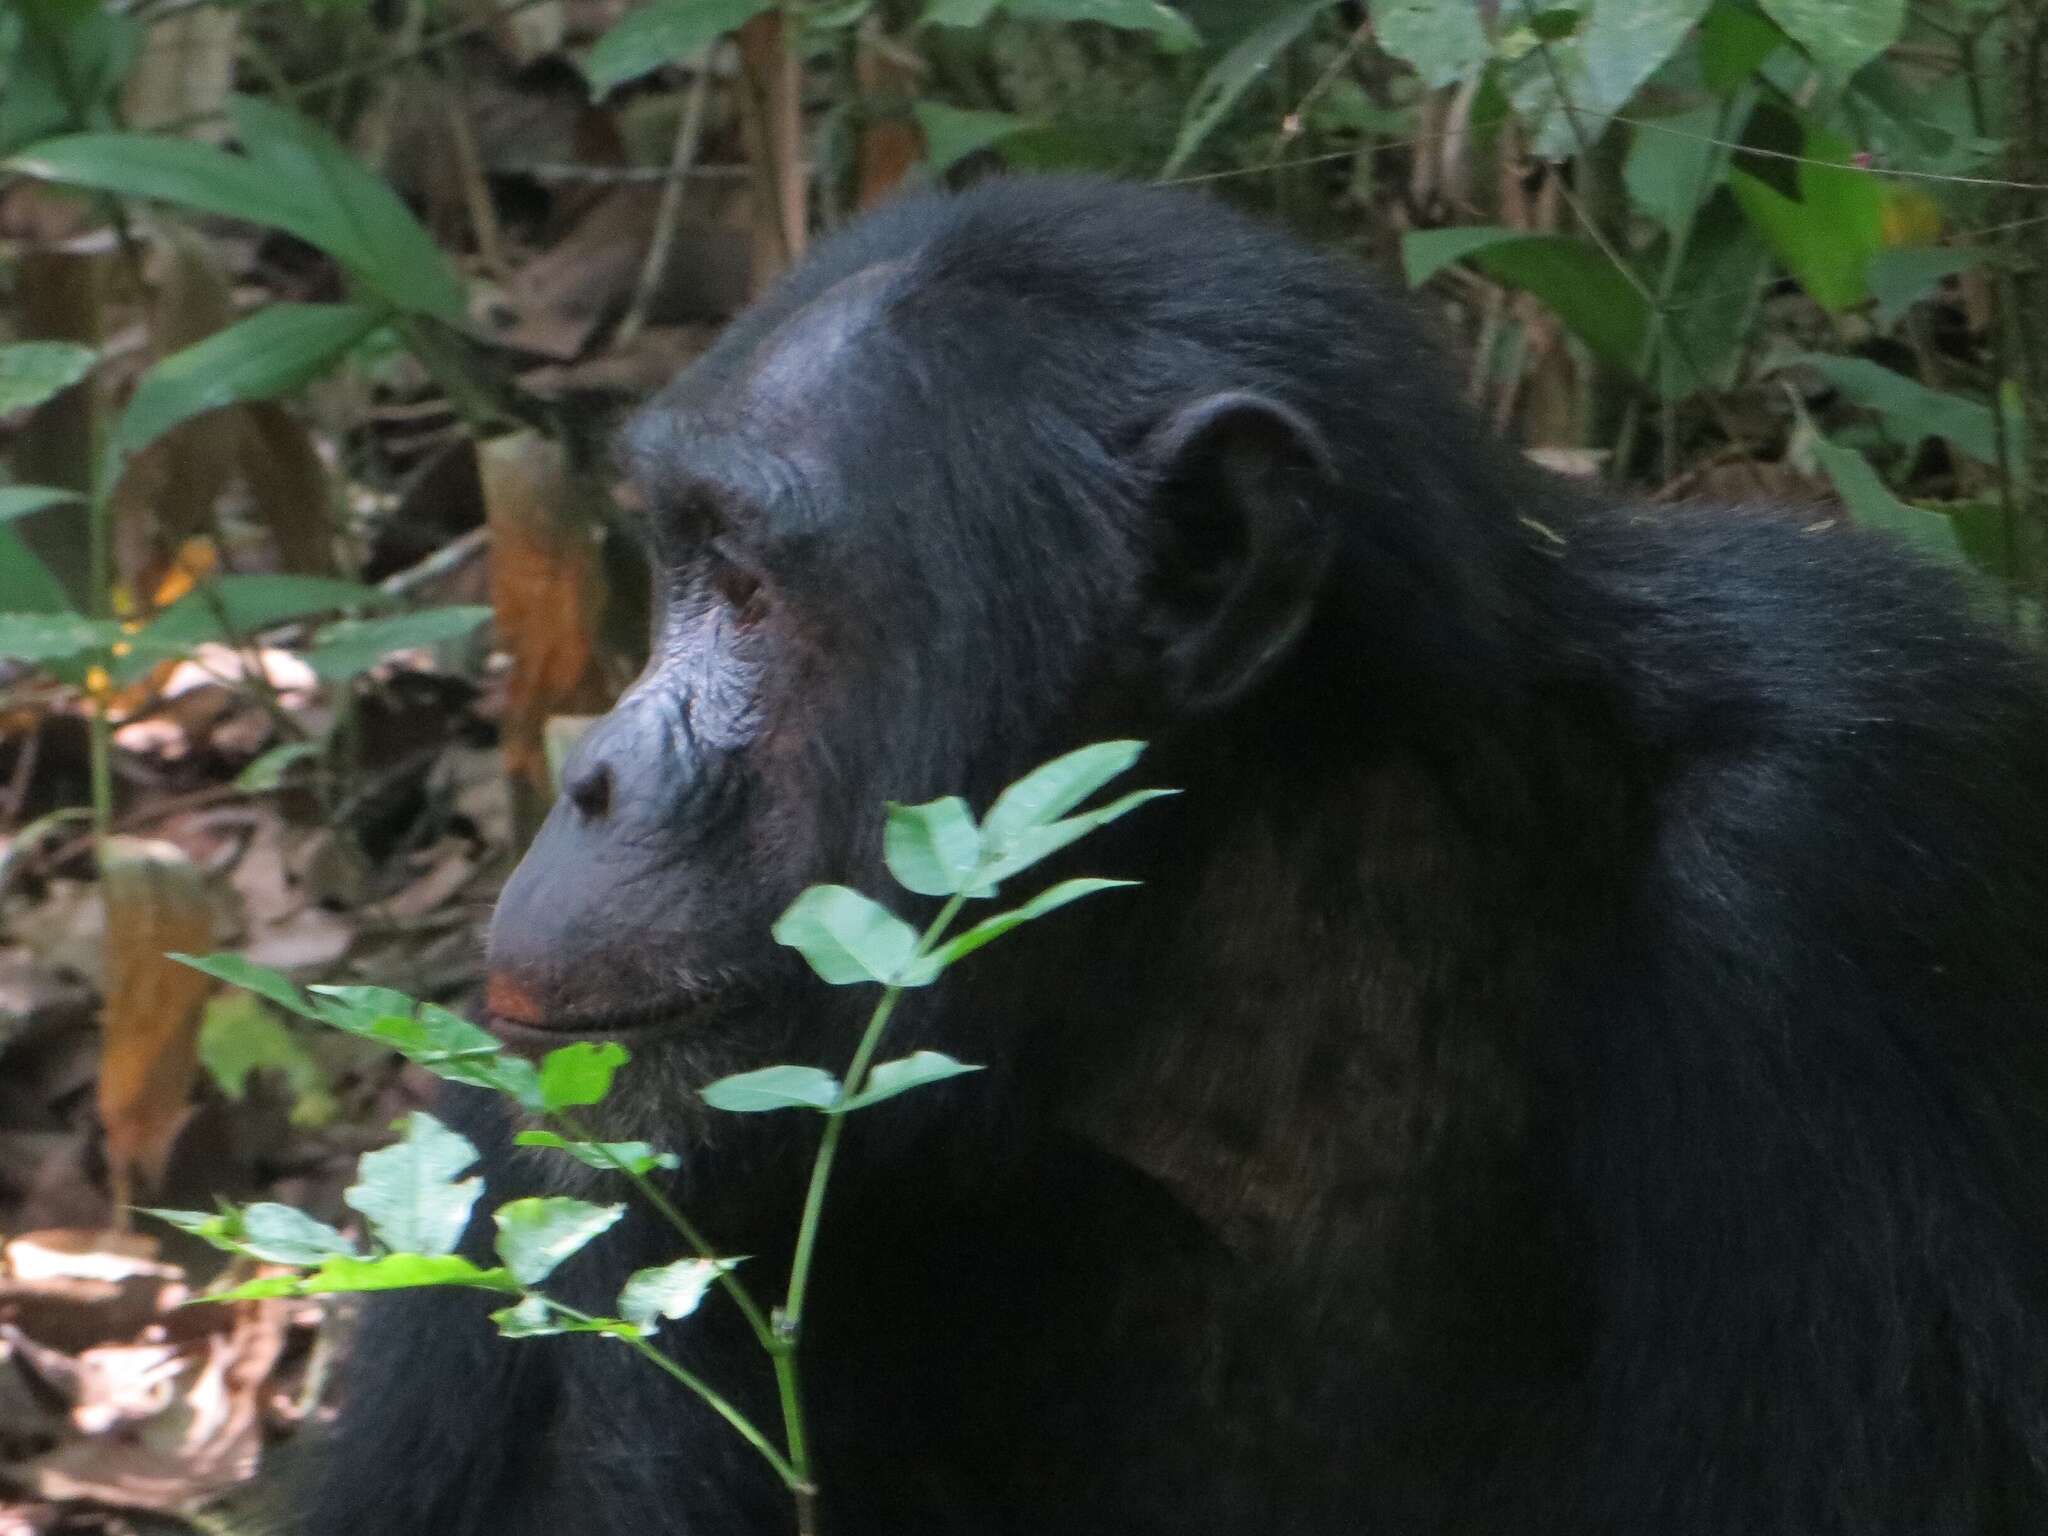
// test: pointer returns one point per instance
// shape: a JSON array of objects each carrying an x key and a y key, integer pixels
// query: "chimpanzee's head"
[{"x": 988, "y": 477}]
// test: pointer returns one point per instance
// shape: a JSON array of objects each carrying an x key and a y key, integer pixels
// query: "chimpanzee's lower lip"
[{"x": 627, "y": 1028}]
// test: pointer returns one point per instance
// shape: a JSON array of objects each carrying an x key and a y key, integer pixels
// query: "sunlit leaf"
[
  {"x": 539, "y": 1232},
  {"x": 535, "y": 1317},
  {"x": 411, "y": 1191},
  {"x": 635, "y": 1156},
  {"x": 1039, "y": 843},
  {"x": 1057, "y": 787},
  {"x": 578, "y": 1074},
  {"x": 845, "y": 936},
  {"x": 932, "y": 848},
  {"x": 670, "y": 1291},
  {"x": 260, "y": 979},
  {"x": 992, "y": 928},
  {"x": 388, "y": 1272},
  {"x": 284, "y": 1235},
  {"x": 778, "y": 1087},
  {"x": 888, "y": 1078}
]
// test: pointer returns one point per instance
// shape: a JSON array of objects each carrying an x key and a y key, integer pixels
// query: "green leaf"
[
  {"x": 273, "y": 352},
  {"x": 33, "y": 371},
  {"x": 232, "y": 608},
  {"x": 26, "y": 585},
  {"x": 1673, "y": 166},
  {"x": 1840, "y": 36},
  {"x": 239, "y": 1035},
  {"x": 352, "y": 646},
  {"x": 951, "y": 134},
  {"x": 539, "y": 1232},
  {"x": 388, "y": 1272},
  {"x": 1899, "y": 277},
  {"x": 1233, "y": 75},
  {"x": 22, "y": 500},
  {"x": 670, "y": 1291},
  {"x": 637, "y": 1156},
  {"x": 535, "y": 1317},
  {"x": 1443, "y": 39},
  {"x": 579, "y": 1074},
  {"x": 1051, "y": 791},
  {"x": 845, "y": 936},
  {"x": 287, "y": 1236},
  {"x": 1734, "y": 42},
  {"x": 267, "y": 772},
  {"x": 410, "y": 1191},
  {"x": 1910, "y": 410},
  {"x": 889, "y": 1078},
  {"x": 992, "y": 928},
  {"x": 363, "y": 222},
  {"x": 1828, "y": 233},
  {"x": 778, "y": 1087},
  {"x": 1873, "y": 506},
  {"x": 1173, "y": 32},
  {"x": 957, "y": 13},
  {"x": 1724, "y": 262},
  {"x": 53, "y": 636},
  {"x": 650, "y": 36},
  {"x": 932, "y": 849},
  {"x": 260, "y": 979},
  {"x": 1040, "y": 843},
  {"x": 1585, "y": 289},
  {"x": 1567, "y": 89}
]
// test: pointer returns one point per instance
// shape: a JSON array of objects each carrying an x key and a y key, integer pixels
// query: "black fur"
[{"x": 1576, "y": 1064}]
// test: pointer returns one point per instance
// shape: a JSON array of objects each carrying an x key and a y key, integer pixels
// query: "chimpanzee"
[{"x": 1577, "y": 1061}]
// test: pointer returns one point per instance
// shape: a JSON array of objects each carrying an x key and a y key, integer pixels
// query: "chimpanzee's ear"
[{"x": 1241, "y": 545}]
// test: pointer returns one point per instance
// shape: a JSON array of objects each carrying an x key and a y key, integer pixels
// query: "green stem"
[
  {"x": 718, "y": 1402},
  {"x": 652, "y": 1194}
]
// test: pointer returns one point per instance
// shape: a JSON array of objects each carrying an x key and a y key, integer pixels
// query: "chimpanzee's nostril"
[{"x": 589, "y": 788}]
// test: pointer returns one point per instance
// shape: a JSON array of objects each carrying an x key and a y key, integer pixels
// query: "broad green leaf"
[
  {"x": 182, "y": 171},
  {"x": 1039, "y": 843},
  {"x": 367, "y": 225},
  {"x": 352, "y": 646},
  {"x": 1899, "y": 277},
  {"x": 411, "y": 1191},
  {"x": 265, "y": 1230},
  {"x": 932, "y": 848},
  {"x": 992, "y": 928},
  {"x": 1051, "y": 791},
  {"x": 426, "y": 1033},
  {"x": 539, "y": 1232},
  {"x": 238, "y": 1035},
  {"x": 1910, "y": 410},
  {"x": 260, "y": 979},
  {"x": 1592, "y": 297},
  {"x": 273, "y": 352},
  {"x": 579, "y": 1074},
  {"x": 1840, "y": 36},
  {"x": 53, "y": 636},
  {"x": 221, "y": 1228},
  {"x": 670, "y": 1291},
  {"x": 1566, "y": 90},
  {"x": 1828, "y": 233},
  {"x": 1173, "y": 31},
  {"x": 1874, "y": 506},
  {"x": 649, "y": 36},
  {"x": 236, "y": 607},
  {"x": 1673, "y": 166},
  {"x": 388, "y": 1272},
  {"x": 888, "y": 1078},
  {"x": 1724, "y": 263},
  {"x": 636, "y": 1156},
  {"x": 535, "y": 1317},
  {"x": 26, "y": 585},
  {"x": 21, "y": 500},
  {"x": 951, "y": 134},
  {"x": 779, "y": 1087},
  {"x": 846, "y": 937},
  {"x": 1443, "y": 39},
  {"x": 1734, "y": 42},
  {"x": 33, "y": 371},
  {"x": 1235, "y": 73}
]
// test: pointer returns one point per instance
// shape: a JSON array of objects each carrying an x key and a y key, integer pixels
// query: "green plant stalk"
[
  {"x": 668, "y": 1212},
  {"x": 716, "y": 1400}
]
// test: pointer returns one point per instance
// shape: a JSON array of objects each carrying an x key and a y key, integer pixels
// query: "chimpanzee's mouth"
[{"x": 627, "y": 1026}]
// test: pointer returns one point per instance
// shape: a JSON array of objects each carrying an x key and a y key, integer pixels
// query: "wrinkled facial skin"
[{"x": 846, "y": 611}]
